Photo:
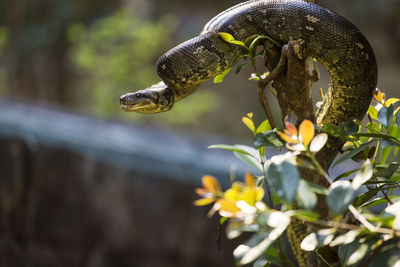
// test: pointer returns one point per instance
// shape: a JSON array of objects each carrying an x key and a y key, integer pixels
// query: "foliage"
[
  {"x": 369, "y": 193},
  {"x": 117, "y": 54}
]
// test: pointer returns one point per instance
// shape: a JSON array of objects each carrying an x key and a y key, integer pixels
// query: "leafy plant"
[{"x": 267, "y": 201}]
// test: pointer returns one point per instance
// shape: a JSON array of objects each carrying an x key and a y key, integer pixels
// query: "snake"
[{"x": 329, "y": 38}]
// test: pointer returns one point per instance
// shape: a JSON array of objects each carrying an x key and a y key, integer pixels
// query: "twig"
[
  {"x": 264, "y": 82},
  {"x": 319, "y": 168},
  {"x": 264, "y": 103},
  {"x": 367, "y": 224}
]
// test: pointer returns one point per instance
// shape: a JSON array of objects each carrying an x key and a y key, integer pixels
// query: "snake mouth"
[{"x": 131, "y": 102}]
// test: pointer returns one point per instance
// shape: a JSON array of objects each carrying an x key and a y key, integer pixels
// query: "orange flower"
[
  {"x": 307, "y": 132},
  {"x": 290, "y": 135},
  {"x": 302, "y": 138},
  {"x": 379, "y": 96}
]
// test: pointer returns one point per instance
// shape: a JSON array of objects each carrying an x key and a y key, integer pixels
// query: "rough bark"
[{"x": 292, "y": 73}]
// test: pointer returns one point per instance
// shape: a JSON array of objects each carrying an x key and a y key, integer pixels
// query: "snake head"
[{"x": 154, "y": 99}]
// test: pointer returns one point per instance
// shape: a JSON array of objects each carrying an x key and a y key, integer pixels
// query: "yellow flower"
[
  {"x": 248, "y": 192},
  {"x": 251, "y": 192},
  {"x": 210, "y": 191},
  {"x": 240, "y": 201},
  {"x": 226, "y": 207}
]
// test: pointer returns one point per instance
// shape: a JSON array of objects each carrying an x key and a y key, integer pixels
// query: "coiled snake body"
[{"x": 331, "y": 39}]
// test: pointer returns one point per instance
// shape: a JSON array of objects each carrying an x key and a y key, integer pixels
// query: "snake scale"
[{"x": 334, "y": 41}]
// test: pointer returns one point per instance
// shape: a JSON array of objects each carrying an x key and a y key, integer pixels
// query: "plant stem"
[
  {"x": 367, "y": 224},
  {"x": 319, "y": 167},
  {"x": 269, "y": 192}
]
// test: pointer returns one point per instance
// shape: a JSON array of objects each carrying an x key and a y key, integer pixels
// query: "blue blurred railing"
[{"x": 146, "y": 150}]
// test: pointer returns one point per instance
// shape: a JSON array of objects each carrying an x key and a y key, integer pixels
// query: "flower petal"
[
  {"x": 204, "y": 201},
  {"x": 307, "y": 132},
  {"x": 379, "y": 96},
  {"x": 227, "y": 207},
  {"x": 211, "y": 184},
  {"x": 201, "y": 191},
  {"x": 287, "y": 138},
  {"x": 291, "y": 129},
  {"x": 318, "y": 142},
  {"x": 250, "y": 180}
]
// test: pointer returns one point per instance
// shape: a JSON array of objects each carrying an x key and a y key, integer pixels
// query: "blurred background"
[{"x": 83, "y": 183}]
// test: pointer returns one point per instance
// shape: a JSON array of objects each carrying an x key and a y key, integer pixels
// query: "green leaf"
[
  {"x": 389, "y": 256},
  {"x": 377, "y": 201},
  {"x": 385, "y": 115},
  {"x": 320, "y": 238},
  {"x": 230, "y": 39},
  {"x": 378, "y": 135},
  {"x": 352, "y": 153},
  {"x": 346, "y": 238},
  {"x": 240, "y": 68},
  {"x": 250, "y": 160},
  {"x": 372, "y": 112},
  {"x": 349, "y": 127},
  {"x": 391, "y": 101},
  {"x": 398, "y": 119},
  {"x": 361, "y": 199},
  {"x": 235, "y": 228},
  {"x": 264, "y": 126},
  {"x": 306, "y": 215},
  {"x": 341, "y": 195},
  {"x": 366, "y": 196},
  {"x": 239, "y": 43},
  {"x": 278, "y": 221},
  {"x": 227, "y": 37},
  {"x": 345, "y": 174},
  {"x": 267, "y": 139},
  {"x": 236, "y": 148},
  {"x": 363, "y": 175},
  {"x": 389, "y": 143},
  {"x": 283, "y": 177},
  {"x": 331, "y": 129},
  {"x": 249, "y": 123},
  {"x": 220, "y": 77},
  {"x": 310, "y": 242},
  {"x": 386, "y": 171},
  {"x": 252, "y": 248},
  {"x": 271, "y": 257},
  {"x": 305, "y": 196},
  {"x": 395, "y": 210},
  {"x": 247, "y": 154},
  {"x": 385, "y": 154},
  {"x": 352, "y": 253}
]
